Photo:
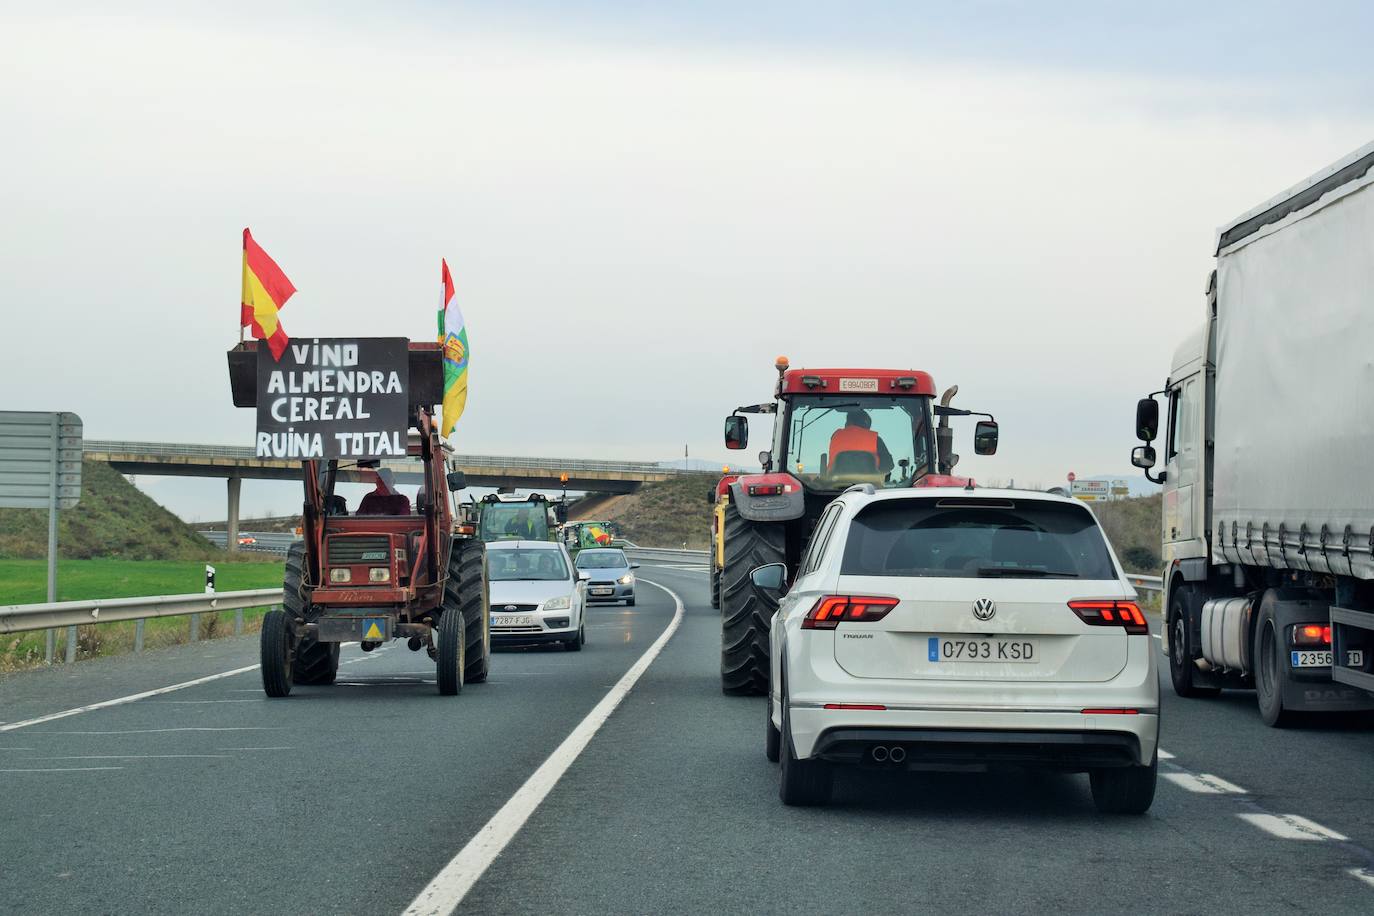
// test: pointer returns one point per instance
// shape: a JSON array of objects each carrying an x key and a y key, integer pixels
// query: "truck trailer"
[{"x": 1268, "y": 445}]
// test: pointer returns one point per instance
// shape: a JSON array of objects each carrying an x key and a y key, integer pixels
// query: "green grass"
[{"x": 25, "y": 582}]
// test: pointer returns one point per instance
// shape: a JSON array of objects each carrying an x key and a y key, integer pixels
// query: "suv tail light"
[
  {"x": 1123, "y": 614},
  {"x": 830, "y": 610}
]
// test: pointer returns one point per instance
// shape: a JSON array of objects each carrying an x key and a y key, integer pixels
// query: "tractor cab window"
[
  {"x": 833, "y": 443},
  {"x": 525, "y": 521}
]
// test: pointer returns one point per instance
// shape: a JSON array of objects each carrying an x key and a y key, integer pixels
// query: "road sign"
[
  {"x": 1090, "y": 490},
  {"x": 1072, "y": 476},
  {"x": 34, "y": 447}
]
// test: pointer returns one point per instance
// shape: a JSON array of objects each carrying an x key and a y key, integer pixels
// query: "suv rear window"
[{"x": 959, "y": 539}]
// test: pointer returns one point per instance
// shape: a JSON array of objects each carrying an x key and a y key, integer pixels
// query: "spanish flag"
[
  {"x": 265, "y": 291},
  {"x": 453, "y": 336}
]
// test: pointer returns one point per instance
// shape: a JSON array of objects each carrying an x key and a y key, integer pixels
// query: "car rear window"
[{"x": 970, "y": 539}]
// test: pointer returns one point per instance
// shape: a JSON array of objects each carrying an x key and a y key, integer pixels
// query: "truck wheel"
[
  {"x": 745, "y": 617},
  {"x": 450, "y": 661},
  {"x": 1124, "y": 790},
  {"x": 802, "y": 782},
  {"x": 466, "y": 593},
  {"x": 1182, "y": 671},
  {"x": 275, "y": 654},
  {"x": 1271, "y": 669}
]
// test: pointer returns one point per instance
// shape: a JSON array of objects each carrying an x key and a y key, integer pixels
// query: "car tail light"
[
  {"x": 1311, "y": 634},
  {"x": 830, "y": 610},
  {"x": 1123, "y": 614}
]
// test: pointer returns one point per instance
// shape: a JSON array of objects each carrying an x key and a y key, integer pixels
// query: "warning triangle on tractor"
[{"x": 373, "y": 631}]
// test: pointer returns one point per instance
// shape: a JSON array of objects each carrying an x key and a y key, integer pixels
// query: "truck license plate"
[
  {"x": 995, "y": 649},
  {"x": 511, "y": 620},
  {"x": 1354, "y": 658}
]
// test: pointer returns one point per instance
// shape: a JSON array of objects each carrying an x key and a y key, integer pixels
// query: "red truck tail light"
[
  {"x": 1123, "y": 614},
  {"x": 830, "y": 610},
  {"x": 1311, "y": 634}
]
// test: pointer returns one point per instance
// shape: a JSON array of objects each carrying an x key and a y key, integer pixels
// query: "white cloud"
[{"x": 636, "y": 233}]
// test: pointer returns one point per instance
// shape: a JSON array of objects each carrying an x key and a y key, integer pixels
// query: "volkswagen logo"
[{"x": 984, "y": 609}]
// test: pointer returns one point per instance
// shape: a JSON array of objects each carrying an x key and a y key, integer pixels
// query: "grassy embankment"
[
  {"x": 666, "y": 514},
  {"x": 116, "y": 543}
]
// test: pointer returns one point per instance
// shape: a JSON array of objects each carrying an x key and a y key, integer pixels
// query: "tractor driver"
[
  {"x": 522, "y": 526},
  {"x": 857, "y": 438}
]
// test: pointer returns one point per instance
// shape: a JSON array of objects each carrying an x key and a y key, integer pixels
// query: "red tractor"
[
  {"x": 833, "y": 429},
  {"x": 388, "y": 567}
]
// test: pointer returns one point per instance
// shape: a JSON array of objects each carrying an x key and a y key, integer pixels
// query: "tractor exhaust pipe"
[{"x": 879, "y": 754}]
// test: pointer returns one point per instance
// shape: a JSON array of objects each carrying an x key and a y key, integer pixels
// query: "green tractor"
[{"x": 505, "y": 517}]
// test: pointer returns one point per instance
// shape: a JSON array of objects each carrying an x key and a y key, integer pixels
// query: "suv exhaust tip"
[{"x": 879, "y": 753}]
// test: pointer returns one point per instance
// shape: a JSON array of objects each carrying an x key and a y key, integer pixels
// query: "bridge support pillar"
[{"x": 232, "y": 539}]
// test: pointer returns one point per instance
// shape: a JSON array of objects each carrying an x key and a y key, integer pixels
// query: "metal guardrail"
[
  {"x": 273, "y": 542},
  {"x": 659, "y": 553},
  {"x": 241, "y": 453},
  {"x": 1146, "y": 583}
]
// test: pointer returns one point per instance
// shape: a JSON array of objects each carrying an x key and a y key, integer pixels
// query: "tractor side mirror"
[
  {"x": 1143, "y": 457},
  {"x": 985, "y": 437},
  {"x": 560, "y": 513},
  {"x": 457, "y": 480},
  {"x": 736, "y": 432},
  {"x": 770, "y": 579},
  {"x": 1146, "y": 422}
]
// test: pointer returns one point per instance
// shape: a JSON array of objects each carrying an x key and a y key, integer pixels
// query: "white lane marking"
[
  {"x": 1205, "y": 784},
  {"x": 452, "y": 884},
  {"x": 139, "y": 757},
  {"x": 1362, "y": 874},
  {"x": 1165, "y": 755},
  {"x": 1291, "y": 827},
  {"x": 120, "y": 701},
  {"x": 1156, "y": 635},
  {"x": 63, "y": 770},
  {"x": 188, "y": 728},
  {"x": 199, "y": 702}
]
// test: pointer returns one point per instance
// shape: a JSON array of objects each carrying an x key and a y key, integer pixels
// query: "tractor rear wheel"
[
  {"x": 715, "y": 582},
  {"x": 466, "y": 592},
  {"x": 315, "y": 663},
  {"x": 745, "y": 616}
]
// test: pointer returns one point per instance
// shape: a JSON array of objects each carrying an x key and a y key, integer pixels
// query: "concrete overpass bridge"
[{"x": 236, "y": 464}]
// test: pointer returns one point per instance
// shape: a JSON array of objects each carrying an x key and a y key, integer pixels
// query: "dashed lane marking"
[
  {"x": 1165, "y": 755},
  {"x": 1204, "y": 784},
  {"x": 62, "y": 770},
  {"x": 1291, "y": 827},
  {"x": 452, "y": 884}
]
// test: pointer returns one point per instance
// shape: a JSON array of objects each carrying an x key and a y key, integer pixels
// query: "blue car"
[{"x": 611, "y": 575}]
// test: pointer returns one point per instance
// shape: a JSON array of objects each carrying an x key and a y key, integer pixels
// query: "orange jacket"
[{"x": 853, "y": 439}]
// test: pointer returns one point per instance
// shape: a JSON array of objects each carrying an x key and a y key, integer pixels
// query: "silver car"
[
  {"x": 610, "y": 576},
  {"x": 536, "y": 595}
]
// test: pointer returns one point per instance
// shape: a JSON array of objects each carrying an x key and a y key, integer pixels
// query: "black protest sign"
[{"x": 334, "y": 398}]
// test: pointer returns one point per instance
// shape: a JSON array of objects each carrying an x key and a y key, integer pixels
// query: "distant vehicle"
[
  {"x": 536, "y": 595},
  {"x": 245, "y": 540},
  {"x": 505, "y": 516},
  {"x": 584, "y": 535},
  {"x": 1268, "y": 524},
  {"x": 951, "y": 627},
  {"x": 612, "y": 576}
]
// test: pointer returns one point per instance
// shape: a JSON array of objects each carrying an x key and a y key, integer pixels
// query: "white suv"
[{"x": 944, "y": 626}]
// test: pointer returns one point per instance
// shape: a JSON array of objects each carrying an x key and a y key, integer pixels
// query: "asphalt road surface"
[{"x": 536, "y": 793}]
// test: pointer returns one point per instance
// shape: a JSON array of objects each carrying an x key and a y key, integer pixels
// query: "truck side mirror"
[
  {"x": 985, "y": 437},
  {"x": 457, "y": 480},
  {"x": 770, "y": 579},
  {"x": 1146, "y": 422},
  {"x": 736, "y": 432},
  {"x": 1143, "y": 457}
]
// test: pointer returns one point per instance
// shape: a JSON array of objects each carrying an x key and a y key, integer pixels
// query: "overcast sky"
[{"x": 644, "y": 204}]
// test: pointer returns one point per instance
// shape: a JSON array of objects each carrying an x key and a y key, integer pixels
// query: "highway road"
[{"x": 377, "y": 794}]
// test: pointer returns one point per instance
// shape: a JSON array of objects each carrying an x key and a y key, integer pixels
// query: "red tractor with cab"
[{"x": 833, "y": 429}]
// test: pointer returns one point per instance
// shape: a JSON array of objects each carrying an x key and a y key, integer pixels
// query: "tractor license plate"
[
  {"x": 995, "y": 650},
  {"x": 512, "y": 620},
  {"x": 350, "y": 629},
  {"x": 603, "y": 591}
]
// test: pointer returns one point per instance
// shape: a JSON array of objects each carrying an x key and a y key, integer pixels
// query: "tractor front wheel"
[
  {"x": 450, "y": 661},
  {"x": 745, "y": 616},
  {"x": 275, "y": 649}
]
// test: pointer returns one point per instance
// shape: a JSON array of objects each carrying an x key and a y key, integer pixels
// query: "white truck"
[{"x": 1268, "y": 529}]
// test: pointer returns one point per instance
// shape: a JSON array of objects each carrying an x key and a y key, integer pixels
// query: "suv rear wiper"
[{"x": 1013, "y": 572}]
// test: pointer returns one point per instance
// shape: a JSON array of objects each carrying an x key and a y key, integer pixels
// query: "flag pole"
[{"x": 241, "y": 268}]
